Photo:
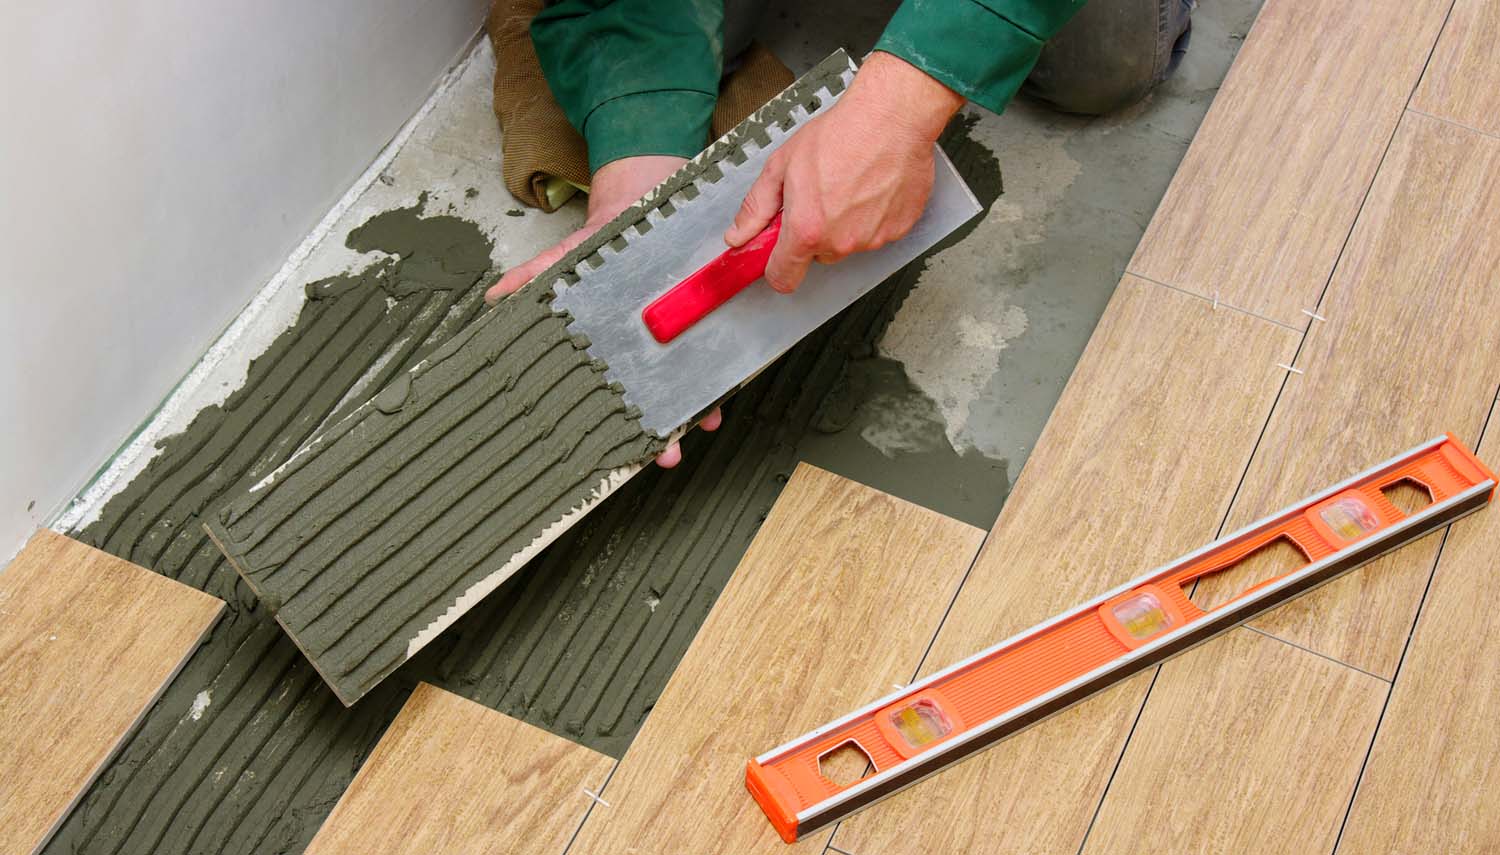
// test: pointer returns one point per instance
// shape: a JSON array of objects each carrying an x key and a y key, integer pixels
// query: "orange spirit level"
[{"x": 919, "y": 730}]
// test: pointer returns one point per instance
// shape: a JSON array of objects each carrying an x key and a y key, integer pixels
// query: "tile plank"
[
  {"x": 1462, "y": 82},
  {"x": 1136, "y": 466},
  {"x": 88, "y": 642},
  {"x": 834, "y": 601},
  {"x": 1247, "y": 744},
  {"x": 451, "y": 775},
  {"x": 1273, "y": 180}
]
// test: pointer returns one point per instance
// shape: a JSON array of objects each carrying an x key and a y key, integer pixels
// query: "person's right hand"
[
  {"x": 616, "y": 186},
  {"x": 854, "y": 178}
]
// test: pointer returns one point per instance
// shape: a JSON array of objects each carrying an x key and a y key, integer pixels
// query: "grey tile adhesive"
[{"x": 384, "y": 529}]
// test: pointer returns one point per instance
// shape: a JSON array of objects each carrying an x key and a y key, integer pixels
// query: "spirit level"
[{"x": 952, "y": 714}]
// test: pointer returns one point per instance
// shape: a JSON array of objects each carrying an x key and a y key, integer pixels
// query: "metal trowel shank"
[{"x": 677, "y": 230}]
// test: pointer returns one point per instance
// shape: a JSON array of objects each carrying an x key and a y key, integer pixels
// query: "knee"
[
  {"x": 1110, "y": 55},
  {"x": 1091, "y": 92}
]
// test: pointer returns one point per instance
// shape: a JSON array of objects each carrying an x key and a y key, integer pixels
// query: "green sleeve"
[
  {"x": 982, "y": 50},
  {"x": 634, "y": 76}
]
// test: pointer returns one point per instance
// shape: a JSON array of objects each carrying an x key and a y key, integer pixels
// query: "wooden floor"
[
  {"x": 1341, "y": 204},
  {"x": 88, "y": 642}
]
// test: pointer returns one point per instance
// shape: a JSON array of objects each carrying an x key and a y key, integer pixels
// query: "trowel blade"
[{"x": 675, "y": 383}]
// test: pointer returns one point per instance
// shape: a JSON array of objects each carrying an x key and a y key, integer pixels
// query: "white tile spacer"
[
  {"x": 1314, "y": 315},
  {"x": 1285, "y": 367},
  {"x": 897, "y": 686},
  {"x": 595, "y": 796},
  {"x": 1216, "y": 301}
]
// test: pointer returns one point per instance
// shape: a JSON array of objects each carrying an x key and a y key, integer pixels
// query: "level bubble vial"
[
  {"x": 921, "y": 723},
  {"x": 1142, "y": 615},
  {"x": 1349, "y": 518}
]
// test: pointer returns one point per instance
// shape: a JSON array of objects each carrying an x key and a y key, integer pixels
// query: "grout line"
[
  {"x": 1380, "y": 165},
  {"x": 1447, "y": 121},
  {"x": 829, "y": 847},
  {"x": 1406, "y": 108},
  {"x": 1332, "y": 659},
  {"x": 100, "y": 487},
  {"x": 1217, "y": 303},
  {"x": 1328, "y": 283},
  {"x": 1349, "y": 806},
  {"x": 1437, "y": 560},
  {"x": 1318, "y": 306},
  {"x": 1390, "y": 690},
  {"x": 595, "y": 799},
  {"x": 1119, "y": 761},
  {"x": 937, "y": 630},
  {"x": 931, "y": 641}
]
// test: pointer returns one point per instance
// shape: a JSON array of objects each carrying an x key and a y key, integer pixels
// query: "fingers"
[
  {"x": 712, "y": 421},
  {"x": 671, "y": 456},
  {"x": 789, "y": 260},
  {"x": 517, "y": 277},
  {"x": 760, "y": 205}
]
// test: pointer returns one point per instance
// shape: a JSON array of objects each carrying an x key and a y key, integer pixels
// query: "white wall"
[{"x": 158, "y": 161}]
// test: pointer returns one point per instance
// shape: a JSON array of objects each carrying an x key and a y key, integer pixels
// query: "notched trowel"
[{"x": 682, "y": 322}]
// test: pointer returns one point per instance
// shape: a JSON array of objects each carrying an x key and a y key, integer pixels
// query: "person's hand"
[
  {"x": 853, "y": 179},
  {"x": 615, "y": 187}
]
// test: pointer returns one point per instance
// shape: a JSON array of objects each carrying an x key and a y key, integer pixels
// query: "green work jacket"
[{"x": 641, "y": 76}]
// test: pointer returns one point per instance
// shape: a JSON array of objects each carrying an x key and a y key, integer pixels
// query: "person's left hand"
[
  {"x": 853, "y": 179},
  {"x": 615, "y": 187}
]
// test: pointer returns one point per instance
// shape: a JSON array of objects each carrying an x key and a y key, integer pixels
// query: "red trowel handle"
[{"x": 693, "y": 298}]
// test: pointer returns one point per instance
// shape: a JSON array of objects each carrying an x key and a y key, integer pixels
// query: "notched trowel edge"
[{"x": 830, "y": 76}]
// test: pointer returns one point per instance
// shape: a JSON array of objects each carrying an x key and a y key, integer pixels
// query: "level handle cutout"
[
  {"x": 1261, "y": 566},
  {"x": 1407, "y": 495},
  {"x": 845, "y": 764}
]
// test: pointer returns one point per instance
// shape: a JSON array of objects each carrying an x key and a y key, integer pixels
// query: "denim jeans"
[{"x": 1111, "y": 54}]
